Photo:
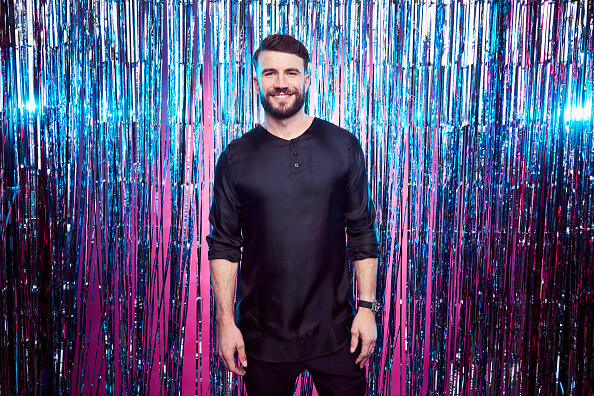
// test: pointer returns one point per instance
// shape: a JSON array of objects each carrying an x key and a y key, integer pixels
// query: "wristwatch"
[{"x": 374, "y": 305}]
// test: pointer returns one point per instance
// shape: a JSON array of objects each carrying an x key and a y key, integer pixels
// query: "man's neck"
[{"x": 288, "y": 128}]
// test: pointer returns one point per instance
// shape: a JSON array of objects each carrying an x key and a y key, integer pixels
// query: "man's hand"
[
  {"x": 364, "y": 327},
  {"x": 231, "y": 340}
]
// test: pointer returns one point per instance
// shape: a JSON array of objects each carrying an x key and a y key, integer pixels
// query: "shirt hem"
[{"x": 273, "y": 350}]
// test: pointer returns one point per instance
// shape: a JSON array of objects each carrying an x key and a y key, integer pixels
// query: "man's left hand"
[{"x": 365, "y": 328}]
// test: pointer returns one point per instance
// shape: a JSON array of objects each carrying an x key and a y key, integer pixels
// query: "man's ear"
[
  {"x": 256, "y": 84},
  {"x": 307, "y": 81}
]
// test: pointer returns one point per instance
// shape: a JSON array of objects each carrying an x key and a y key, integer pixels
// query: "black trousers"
[{"x": 333, "y": 374}]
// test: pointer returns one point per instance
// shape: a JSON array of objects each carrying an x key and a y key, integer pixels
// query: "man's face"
[{"x": 281, "y": 82}]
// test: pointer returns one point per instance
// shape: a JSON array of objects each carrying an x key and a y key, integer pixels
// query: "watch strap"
[
  {"x": 365, "y": 304},
  {"x": 374, "y": 305}
]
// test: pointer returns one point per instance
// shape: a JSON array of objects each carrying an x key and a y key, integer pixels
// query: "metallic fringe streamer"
[{"x": 476, "y": 120}]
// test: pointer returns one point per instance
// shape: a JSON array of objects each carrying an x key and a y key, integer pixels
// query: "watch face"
[{"x": 376, "y": 306}]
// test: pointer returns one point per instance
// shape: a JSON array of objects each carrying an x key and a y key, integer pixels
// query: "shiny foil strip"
[{"x": 476, "y": 122}]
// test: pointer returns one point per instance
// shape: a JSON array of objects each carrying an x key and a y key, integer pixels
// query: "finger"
[
  {"x": 367, "y": 355},
  {"x": 354, "y": 339},
  {"x": 363, "y": 356},
  {"x": 240, "y": 370},
  {"x": 364, "y": 362},
  {"x": 371, "y": 347},
  {"x": 366, "y": 346},
  {"x": 237, "y": 369},
  {"x": 242, "y": 355},
  {"x": 232, "y": 366}
]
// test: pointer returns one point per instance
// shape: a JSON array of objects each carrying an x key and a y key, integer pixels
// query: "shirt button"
[
  {"x": 296, "y": 165},
  {"x": 295, "y": 154}
]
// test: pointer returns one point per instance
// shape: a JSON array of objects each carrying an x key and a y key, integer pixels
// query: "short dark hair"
[{"x": 283, "y": 43}]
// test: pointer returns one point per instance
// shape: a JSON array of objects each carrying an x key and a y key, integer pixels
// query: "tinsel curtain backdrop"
[{"x": 476, "y": 122}]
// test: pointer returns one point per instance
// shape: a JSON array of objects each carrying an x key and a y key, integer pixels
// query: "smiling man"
[{"x": 284, "y": 194}]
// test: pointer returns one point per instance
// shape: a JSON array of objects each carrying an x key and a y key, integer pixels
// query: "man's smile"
[{"x": 282, "y": 96}]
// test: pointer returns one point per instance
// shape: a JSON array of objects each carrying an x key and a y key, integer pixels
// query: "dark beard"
[{"x": 285, "y": 112}]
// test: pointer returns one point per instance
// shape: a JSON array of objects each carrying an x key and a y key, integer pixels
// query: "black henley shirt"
[{"x": 281, "y": 207}]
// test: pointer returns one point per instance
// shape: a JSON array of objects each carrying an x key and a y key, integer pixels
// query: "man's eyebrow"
[{"x": 291, "y": 69}]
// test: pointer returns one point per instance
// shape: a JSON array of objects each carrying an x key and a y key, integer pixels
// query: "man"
[{"x": 284, "y": 192}]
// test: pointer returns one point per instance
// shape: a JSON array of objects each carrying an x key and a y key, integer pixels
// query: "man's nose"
[{"x": 280, "y": 81}]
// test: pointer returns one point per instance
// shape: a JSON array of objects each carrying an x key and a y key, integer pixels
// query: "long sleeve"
[
  {"x": 360, "y": 211},
  {"x": 225, "y": 239}
]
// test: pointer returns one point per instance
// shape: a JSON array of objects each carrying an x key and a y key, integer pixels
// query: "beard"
[{"x": 285, "y": 110}]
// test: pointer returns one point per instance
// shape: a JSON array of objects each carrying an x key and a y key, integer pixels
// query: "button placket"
[{"x": 294, "y": 151}]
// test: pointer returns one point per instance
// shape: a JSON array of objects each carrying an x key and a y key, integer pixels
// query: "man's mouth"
[{"x": 281, "y": 96}]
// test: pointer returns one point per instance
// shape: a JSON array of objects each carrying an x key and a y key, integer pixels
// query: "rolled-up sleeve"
[
  {"x": 225, "y": 239},
  {"x": 362, "y": 238}
]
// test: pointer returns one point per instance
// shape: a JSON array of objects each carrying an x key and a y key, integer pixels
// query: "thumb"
[
  {"x": 354, "y": 338},
  {"x": 241, "y": 355}
]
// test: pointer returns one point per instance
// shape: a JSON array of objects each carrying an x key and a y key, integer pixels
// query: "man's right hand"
[{"x": 231, "y": 340}]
